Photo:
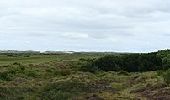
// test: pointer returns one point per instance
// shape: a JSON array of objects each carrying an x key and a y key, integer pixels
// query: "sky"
[{"x": 85, "y": 25}]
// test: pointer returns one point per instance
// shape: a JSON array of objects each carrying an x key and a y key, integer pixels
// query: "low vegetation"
[{"x": 85, "y": 77}]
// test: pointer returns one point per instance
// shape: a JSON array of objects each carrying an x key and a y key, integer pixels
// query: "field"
[{"x": 58, "y": 77}]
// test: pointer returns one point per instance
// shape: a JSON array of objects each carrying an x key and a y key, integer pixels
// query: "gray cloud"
[{"x": 117, "y": 25}]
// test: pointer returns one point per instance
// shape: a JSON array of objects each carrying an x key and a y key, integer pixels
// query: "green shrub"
[
  {"x": 16, "y": 68},
  {"x": 63, "y": 72},
  {"x": 17, "y": 63},
  {"x": 87, "y": 65},
  {"x": 166, "y": 76},
  {"x": 63, "y": 90},
  {"x": 160, "y": 72},
  {"x": 108, "y": 63},
  {"x": 5, "y": 76},
  {"x": 31, "y": 73},
  {"x": 11, "y": 71},
  {"x": 127, "y": 62}
]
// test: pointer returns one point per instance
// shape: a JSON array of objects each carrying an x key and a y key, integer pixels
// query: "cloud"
[
  {"x": 117, "y": 25},
  {"x": 75, "y": 35}
]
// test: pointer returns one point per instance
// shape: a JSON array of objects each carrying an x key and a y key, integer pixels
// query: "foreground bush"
[
  {"x": 63, "y": 90},
  {"x": 17, "y": 70}
]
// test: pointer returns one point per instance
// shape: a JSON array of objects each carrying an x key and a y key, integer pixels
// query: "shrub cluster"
[
  {"x": 17, "y": 69},
  {"x": 165, "y": 75},
  {"x": 128, "y": 62},
  {"x": 63, "y": 90}
]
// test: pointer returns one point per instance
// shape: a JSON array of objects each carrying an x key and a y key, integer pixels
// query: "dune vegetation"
[{"x": 85, "y": 76}]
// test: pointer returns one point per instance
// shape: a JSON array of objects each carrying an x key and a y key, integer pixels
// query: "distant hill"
[{"x": 18, "y": 52}]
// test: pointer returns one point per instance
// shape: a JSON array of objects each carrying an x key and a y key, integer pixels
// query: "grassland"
[
  {"x": 37, "y": 59},
  {"x": 57, "y": 77}
]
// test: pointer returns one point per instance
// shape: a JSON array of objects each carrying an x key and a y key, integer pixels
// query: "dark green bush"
[
  {"x": 17, "y": 63},
  {"x": 87, "y": 65},
  {"x": 108, "y": 63},
  {"x": 160, "y": 72},
  {"x": 128, "y": 62},
  {"x": 5, "y": 76}
]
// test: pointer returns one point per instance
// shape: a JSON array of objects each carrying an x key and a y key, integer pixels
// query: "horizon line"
[{"x": 115, "y": 51}]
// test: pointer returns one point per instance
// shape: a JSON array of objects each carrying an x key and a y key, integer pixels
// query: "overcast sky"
[{"x": 85, "y": 25}]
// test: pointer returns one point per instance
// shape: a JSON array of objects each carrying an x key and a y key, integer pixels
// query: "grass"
[
  {"x": 37, "y": 59},
  {"x": 56, "y": 77}
]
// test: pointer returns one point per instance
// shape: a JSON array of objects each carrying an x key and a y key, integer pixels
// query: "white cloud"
[
  {"x": 75, "y": 35},
  {"x": 121, "y": 25}
]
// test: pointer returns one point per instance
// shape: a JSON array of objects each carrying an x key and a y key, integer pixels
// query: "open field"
[
  {"x": 37, "y": 59},
  {"x": 58, "y": 77}
]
